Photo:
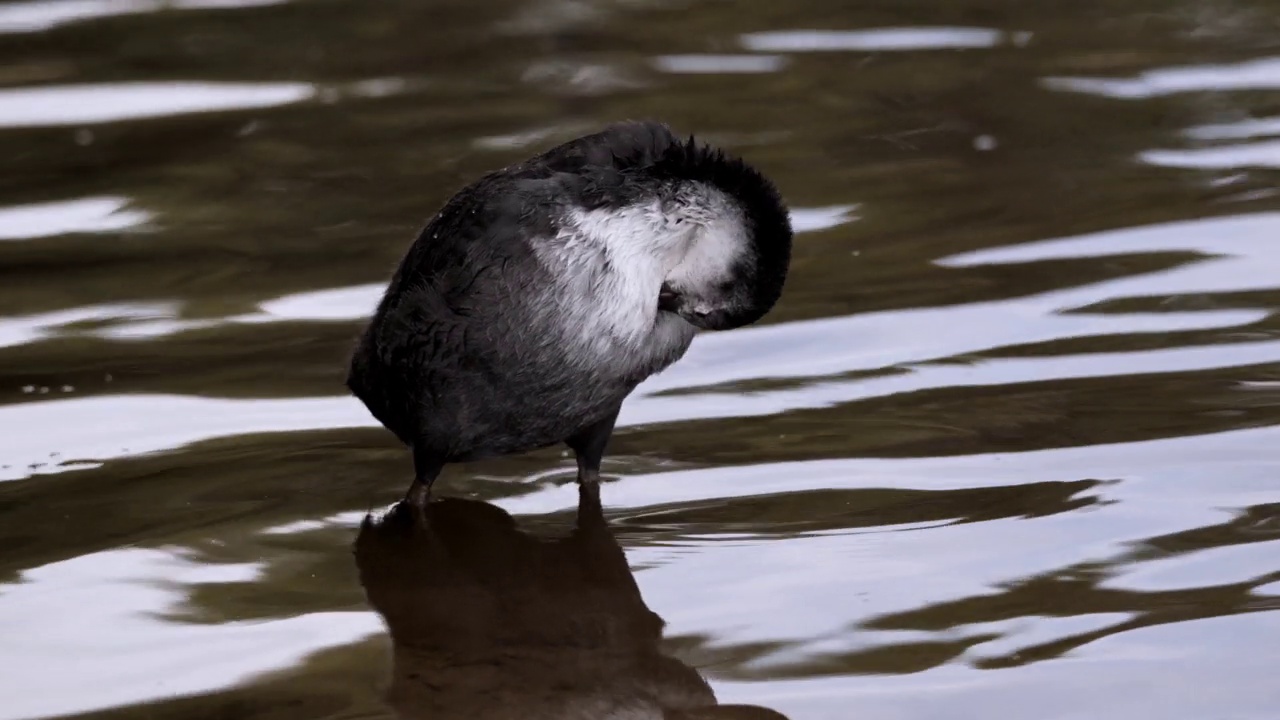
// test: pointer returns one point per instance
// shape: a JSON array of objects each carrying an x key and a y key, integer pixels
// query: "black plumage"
[{"x": 542, "y": 294}]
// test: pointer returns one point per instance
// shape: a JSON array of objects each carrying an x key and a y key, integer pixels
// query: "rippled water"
[{"x": 1006, "y": 449}]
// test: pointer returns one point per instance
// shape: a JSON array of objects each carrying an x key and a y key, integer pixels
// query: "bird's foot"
[
  {"x": 417, "y": 498},
  {"x": 590, "y": 510}
]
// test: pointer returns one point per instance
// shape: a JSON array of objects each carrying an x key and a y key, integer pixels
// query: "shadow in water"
[{"x": 488, "y": 620}]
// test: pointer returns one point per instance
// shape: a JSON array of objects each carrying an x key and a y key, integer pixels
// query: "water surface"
[{"x": 1005, "y": 449}]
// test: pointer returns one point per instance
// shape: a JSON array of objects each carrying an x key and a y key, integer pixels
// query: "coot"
[{"x": 542, "y": 294}]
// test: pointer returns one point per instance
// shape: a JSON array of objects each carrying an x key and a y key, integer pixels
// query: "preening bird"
[{"x": 542, "y": 294}]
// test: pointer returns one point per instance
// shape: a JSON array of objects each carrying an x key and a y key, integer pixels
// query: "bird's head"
[
  {"x": 706, "y": 232},
  {"x": 736, "y": 248}
]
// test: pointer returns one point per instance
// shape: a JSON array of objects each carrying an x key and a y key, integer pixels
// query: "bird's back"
[
  {"x": 464, "y": 346},
  {"x": 431, "y": 345}
]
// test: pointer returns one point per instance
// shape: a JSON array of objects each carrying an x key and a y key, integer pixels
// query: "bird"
[{"x": 543, "y": 293}]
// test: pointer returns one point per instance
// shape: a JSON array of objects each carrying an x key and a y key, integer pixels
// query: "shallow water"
[{"x": 1006, "y": 448}]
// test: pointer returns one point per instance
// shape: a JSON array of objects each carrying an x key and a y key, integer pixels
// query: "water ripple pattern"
[{"x": 1006, "y": 448}]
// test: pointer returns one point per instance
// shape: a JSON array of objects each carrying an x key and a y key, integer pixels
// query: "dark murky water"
[{"x": 1007, "y": 449}]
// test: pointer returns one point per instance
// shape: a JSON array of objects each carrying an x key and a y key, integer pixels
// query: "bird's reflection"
[{"x": 489, "y": 621}]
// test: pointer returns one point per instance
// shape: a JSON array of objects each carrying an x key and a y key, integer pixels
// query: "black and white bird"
[{"x": 542, "y": 294}]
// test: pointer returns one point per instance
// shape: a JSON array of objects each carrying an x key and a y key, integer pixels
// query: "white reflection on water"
[
  {"x": 349, "y": 303},
  {"x": 1213, "y": 566},
  {"x": 821, "y": 218},
  {"x": 523, "y": 139},
  {"x": 83, "y": 215},
  {"x": 22, "y": 17},
  {"x": 1254, "y": 127},
  {"x": 123, "y": 426},
  {"x": 1023, "y": 631},
  {"x": 96, "y": 624},
  {"x": 719, "y": 64},
  {"x": 338, "y": 304},
  {"x": 1263, "y": 74},
  {"x": 62, "y": 105},
  {"x": 873, "y": 40},
  {"x": 23, "y": 329},
  {"x": 1238, "y": 252},
  {"x": 1245, "y": 155},
  {"x": 1264, "y": 153}
]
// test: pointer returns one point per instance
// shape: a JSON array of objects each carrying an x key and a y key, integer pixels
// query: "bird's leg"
[
  {"x": 588, "y": 501},
  {"x": 590, "y": 521},
  {"x": 589, "y": 445},
  {"x": 426, "y": 467}
]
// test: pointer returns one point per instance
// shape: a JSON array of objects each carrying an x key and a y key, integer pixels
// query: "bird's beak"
[
  {"x": 668, "y": 299},
  {"x": 714, "y": 320}
]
